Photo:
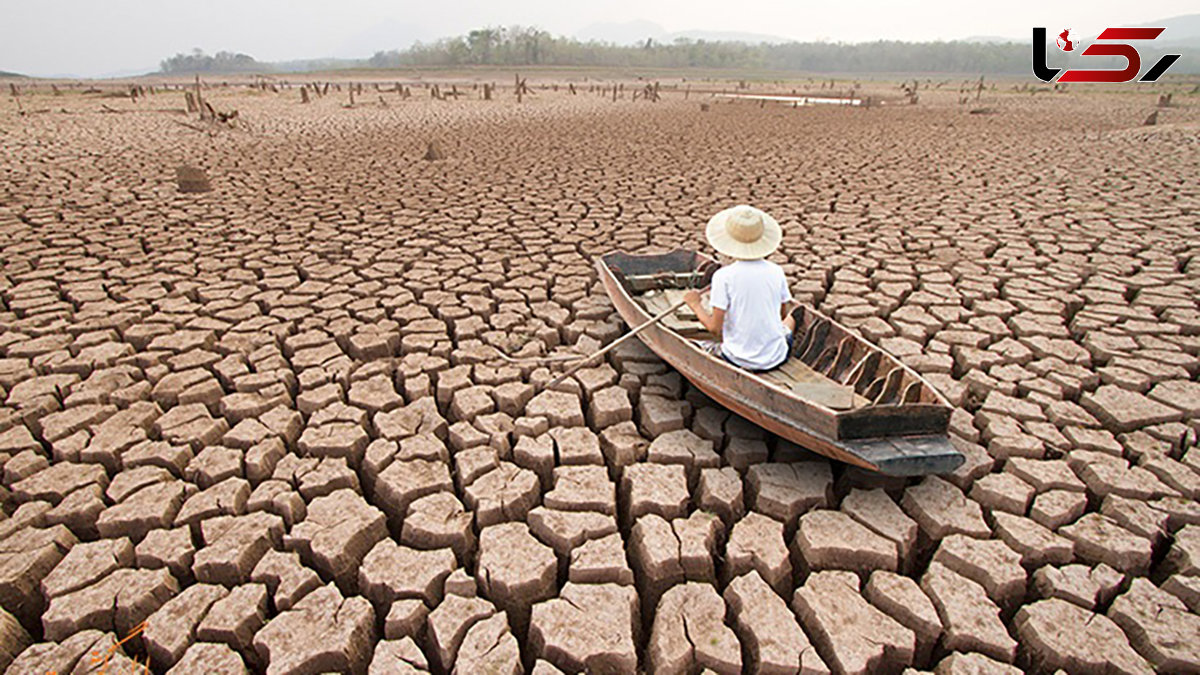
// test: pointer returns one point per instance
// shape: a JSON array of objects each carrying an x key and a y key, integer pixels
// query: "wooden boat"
[{"x": 837, "y": 394}]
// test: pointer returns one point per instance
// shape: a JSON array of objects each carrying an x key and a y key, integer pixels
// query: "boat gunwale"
[
  {"x": 691, "y": 344},
  {"x": 864, "y": 412}
]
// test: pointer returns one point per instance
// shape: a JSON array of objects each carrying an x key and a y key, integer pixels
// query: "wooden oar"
[{"x": 614, "y": 344}]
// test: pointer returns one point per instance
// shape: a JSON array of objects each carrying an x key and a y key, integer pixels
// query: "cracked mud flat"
[{"x": 266, "y": 421}]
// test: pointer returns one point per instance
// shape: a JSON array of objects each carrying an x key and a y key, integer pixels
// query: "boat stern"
[{"x": 908, "y": 455}]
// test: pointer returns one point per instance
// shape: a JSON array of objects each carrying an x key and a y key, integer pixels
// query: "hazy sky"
[{"x": 107, "y": 37}]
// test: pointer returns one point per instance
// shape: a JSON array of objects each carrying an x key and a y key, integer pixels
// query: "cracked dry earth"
[{"x": 262, "y": 428}]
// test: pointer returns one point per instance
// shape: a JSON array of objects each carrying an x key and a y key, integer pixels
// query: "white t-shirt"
[{"x": 751, "y": 292}]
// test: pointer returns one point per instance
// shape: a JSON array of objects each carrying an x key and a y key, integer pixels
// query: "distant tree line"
[
  {"x": 519, "y": 45},
  {"x": 531, "y": 46},
  {"x": 522, "y": 45},
  {"x": 221, "y": 62}
]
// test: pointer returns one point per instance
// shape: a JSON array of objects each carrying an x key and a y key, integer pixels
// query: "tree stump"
[
  {"x": 199, "y": 98},
  {"x": 433, "y": 152},
  {"x": 304, "y": 94},
  {"x": 191, "y": 179},
  {"x": 190, "y": 98},
  {"x": 1151, "y": 120}
]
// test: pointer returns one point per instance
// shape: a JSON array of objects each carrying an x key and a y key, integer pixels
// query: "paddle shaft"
[{"x": 615, "y": 343}]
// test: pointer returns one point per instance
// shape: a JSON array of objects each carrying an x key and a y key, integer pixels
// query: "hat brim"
[{"x": 719, "y": 238}]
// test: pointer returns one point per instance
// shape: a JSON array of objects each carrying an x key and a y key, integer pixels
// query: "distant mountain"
[
  {"x": 730, "y": 36},
  {"x": 625, "y": 33},
  {"x": 633, "y": 32},
  {"x": 992, "y": 39},
  {"x": 5, "y": 73},
  {"x": 1180, "y": 30},
  {"x": 126, "y": 73},
  {"x": 315, "y": 65},
  {"x": 382, "y": 36}
]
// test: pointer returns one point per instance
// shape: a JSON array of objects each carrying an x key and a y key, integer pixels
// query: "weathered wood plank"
[
  {"x": 829, "y": 394},
  {"x": 909, "y": 455}
]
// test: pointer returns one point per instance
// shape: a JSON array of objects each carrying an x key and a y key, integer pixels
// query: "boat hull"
[{"x": 776, "y": 409}]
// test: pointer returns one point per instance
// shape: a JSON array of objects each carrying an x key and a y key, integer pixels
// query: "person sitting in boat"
[{"x": 750, "y": 297}]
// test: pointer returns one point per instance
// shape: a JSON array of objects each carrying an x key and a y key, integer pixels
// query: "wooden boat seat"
[
  {"x": 794, "y": 374},
  {"x": 798, "y": 376},
  {"x": 683, "y": 321}
]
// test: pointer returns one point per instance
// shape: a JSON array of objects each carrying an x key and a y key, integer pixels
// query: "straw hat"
[{"x": 744, "y": 232}]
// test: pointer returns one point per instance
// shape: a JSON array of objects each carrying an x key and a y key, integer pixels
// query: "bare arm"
[
  {"x": 713, "y": 322},
  {"x": 789, "y": 321}
]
